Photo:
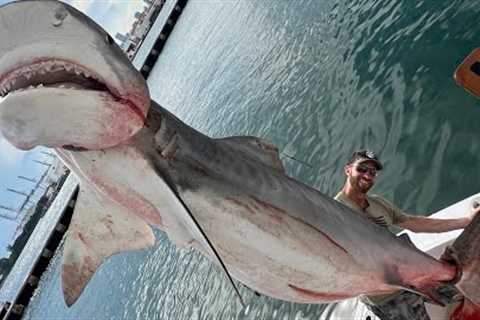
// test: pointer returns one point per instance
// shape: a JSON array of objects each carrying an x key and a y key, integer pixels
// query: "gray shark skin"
[{"x": 141, "y": 167}]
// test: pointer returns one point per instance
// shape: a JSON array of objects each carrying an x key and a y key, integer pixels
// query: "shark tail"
[{"x": 465, "y": 254}]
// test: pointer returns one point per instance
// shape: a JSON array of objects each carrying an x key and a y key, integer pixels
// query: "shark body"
[{"x": 141, "y": 167}]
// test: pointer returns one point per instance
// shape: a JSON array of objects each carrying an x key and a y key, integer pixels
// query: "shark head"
[{"x": 57, "y": 65}]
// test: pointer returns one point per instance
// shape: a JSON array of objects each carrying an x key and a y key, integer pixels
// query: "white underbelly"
[{"x": 278, "y": 255}]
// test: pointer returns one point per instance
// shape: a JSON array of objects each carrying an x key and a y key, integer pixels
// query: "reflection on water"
[{"x": 319, "y": 79}]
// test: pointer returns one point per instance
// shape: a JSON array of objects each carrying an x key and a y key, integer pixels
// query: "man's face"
[{"x": 361, "y": 175}]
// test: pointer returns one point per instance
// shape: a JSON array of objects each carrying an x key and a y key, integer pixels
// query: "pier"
[
  {"x": 153, "y": 44},
  {"x": 46, "y": 241},
  {"x": 60, "y": 212}
]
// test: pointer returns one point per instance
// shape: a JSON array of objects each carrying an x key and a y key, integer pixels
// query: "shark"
[{"x": 66, "y": 85}]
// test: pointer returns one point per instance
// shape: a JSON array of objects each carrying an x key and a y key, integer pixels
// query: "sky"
[{"x": 114, "y": 16}]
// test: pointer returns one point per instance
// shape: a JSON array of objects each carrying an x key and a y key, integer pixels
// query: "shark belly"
[{"x": 281, "y": 256}]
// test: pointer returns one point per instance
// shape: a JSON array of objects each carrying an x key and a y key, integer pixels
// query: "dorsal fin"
[
  {"x": 257, "y": 148},
  {"x": 99, "y": 229}
]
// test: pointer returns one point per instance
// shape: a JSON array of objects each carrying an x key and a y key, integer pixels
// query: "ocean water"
[{"x": 319, "y": 79}]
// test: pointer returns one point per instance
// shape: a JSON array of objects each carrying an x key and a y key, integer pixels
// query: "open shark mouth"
[
  {"x": 58, "y": 73},
  {"x": 50, "y": 73},
  {"x": 111, "y": 112}
]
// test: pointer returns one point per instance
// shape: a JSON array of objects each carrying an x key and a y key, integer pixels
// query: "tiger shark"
[{"x": 66, "y": 85}]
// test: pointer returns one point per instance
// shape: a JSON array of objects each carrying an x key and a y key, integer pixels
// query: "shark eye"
[
  {"x": 475, "y": 205},
  {"x": 59, "y": 16},
  {"x": 109, "y": 39}
]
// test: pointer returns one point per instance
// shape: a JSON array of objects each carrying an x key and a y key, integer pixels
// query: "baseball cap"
[{"x": 364, "y": 156}]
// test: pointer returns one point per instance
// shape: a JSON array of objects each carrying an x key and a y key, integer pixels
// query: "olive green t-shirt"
[
  {"x": 379, "y": 210},
  {"x": 383, "y": 213}
]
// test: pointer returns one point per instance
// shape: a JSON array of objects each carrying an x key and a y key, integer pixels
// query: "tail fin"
[{"x": 465, "y": 253}]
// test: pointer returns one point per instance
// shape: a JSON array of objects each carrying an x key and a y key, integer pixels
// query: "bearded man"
[{"x": 361, "y": 173}]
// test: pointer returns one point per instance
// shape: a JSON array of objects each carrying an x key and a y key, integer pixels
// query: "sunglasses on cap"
[
  {"x": 362, "y": 168},
  {"x": 366, "y": 155}
]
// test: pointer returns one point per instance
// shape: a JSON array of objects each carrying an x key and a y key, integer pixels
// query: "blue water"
[{"x": 320, "y": 79}]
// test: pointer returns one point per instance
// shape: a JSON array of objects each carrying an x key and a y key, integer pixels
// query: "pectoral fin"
[{"x": 99, "y": 229}]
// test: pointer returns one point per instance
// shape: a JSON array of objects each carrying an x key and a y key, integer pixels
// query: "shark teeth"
[
  {"x": 49, "y": 66},
  {"x": 4, "y": 91},
  {"x": 23, "y": 77}
]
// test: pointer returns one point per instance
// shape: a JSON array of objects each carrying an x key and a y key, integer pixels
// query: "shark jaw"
[
  {"x": 40, "y": 80},
  {"x": 46, "y": 87}
]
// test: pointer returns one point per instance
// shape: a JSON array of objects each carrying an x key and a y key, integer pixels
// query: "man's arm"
[
  {"x": 433, "y": 225},
  {"x": 426, "y": 224}
]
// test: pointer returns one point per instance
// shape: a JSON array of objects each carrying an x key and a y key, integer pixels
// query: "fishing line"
[{"x": 295, "y": 159}]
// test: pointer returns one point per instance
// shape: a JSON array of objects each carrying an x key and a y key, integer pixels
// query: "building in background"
[
  {"x": 122, "y": 37},
  {"x": 132, "y": 40}
]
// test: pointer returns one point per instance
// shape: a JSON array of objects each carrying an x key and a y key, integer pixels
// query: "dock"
[
  {"x": 45, "y": 239},
  {"x": 48, "y": 238},
  {"x": 153, "y": 44}
]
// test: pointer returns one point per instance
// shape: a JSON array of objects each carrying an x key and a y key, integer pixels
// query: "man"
[{"x": 361, "y": 172}]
